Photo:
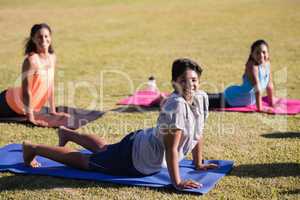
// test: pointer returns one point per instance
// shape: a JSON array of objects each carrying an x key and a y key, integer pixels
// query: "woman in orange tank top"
[{"x": 37, "y": 79}]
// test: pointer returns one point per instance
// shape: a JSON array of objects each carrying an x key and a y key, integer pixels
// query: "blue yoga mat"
[{"x": 11, "y": 160}]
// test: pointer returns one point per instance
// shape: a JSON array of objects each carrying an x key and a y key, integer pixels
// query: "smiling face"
[
  {"x": 260, "y": 54},
  {"x": 42, "y": 40},
  {"x": 187, "y": 84}
]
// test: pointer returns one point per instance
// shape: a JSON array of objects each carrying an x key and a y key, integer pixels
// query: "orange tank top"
[{"x": 40, "y": 81}]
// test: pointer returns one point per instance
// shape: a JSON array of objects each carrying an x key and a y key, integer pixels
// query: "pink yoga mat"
[
  {"x": 149, "y": 98},
  {"x": 144, "y": 98},
  {"x": 283, "y": 106}
]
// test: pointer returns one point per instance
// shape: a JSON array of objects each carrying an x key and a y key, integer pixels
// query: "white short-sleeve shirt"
[{"x": 148, "y": 153}]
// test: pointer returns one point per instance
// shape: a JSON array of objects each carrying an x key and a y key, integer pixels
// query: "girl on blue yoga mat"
[
  {"x": 179, "y": 131},
  {"x": 257, "y": 78},
  {"x": 37, "y": 79}
]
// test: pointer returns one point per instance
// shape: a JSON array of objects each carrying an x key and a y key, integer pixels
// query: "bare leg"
[
  {"x": 63, "y": 155},
  {"x": 88, "y": 141}
]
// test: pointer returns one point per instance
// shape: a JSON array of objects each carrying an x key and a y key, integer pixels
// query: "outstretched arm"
[
  {"x": 26, "y": 92},
  {"x": 270, "y": 90},
  {"x": 52, "y": 100},
  {"x": 171, "y": 142},
  {"x": 28, "y": 69},
  {"x": 52, "y": 93},
  {"x": 197, "y": 153},
  {"x": 255, "y": 81}
]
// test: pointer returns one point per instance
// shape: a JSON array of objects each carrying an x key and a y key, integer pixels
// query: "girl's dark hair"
[
  {"x": 181, "y": 65},
  {"x": 257, "y": 43},
  {"x": 30, "y": 47}
]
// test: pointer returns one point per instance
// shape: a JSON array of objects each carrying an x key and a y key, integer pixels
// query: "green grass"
[{"x": 135, "y": 39}]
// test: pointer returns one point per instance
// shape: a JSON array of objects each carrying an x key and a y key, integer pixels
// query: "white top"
[{"x": 148, "y": 151}]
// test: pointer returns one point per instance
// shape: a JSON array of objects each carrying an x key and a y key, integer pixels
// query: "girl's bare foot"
[
  {"x": 62, "y": 137},
  {"x": 29, "y": 155}
]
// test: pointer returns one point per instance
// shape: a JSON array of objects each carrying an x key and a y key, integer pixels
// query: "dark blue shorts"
[
  {"x": 116, "y": 159},
  {"x": 5, "y": 110}
]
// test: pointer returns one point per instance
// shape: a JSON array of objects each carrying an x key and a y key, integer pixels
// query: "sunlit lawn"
[{"x": 107, "y": 49}]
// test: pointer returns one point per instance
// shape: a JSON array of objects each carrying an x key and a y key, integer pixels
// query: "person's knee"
[{"x": 102, "y": 147}]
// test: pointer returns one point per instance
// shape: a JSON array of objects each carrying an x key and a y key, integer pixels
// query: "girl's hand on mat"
[
  {"x": 188, "y": 184},
  {"x": 206, "y": 166},
  {"x": 267, "y": 110},
  {"x": 61, "y": 114},
  {"x": 39, "y": 122},
  {"x": 36, "y": 122},
  {"x": 276, "y": 106}
]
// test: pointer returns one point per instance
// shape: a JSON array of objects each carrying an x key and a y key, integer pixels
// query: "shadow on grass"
[
  {"x": 14, "y": 122},
  {"x": 282, "y": 135},
  {"x": 266, "y": 170},
  {"x": 27, "y": 182},
  {"x": 291, "y": 192}
]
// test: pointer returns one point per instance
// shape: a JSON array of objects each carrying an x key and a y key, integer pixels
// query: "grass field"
[{"x": 107, "y": 49}]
